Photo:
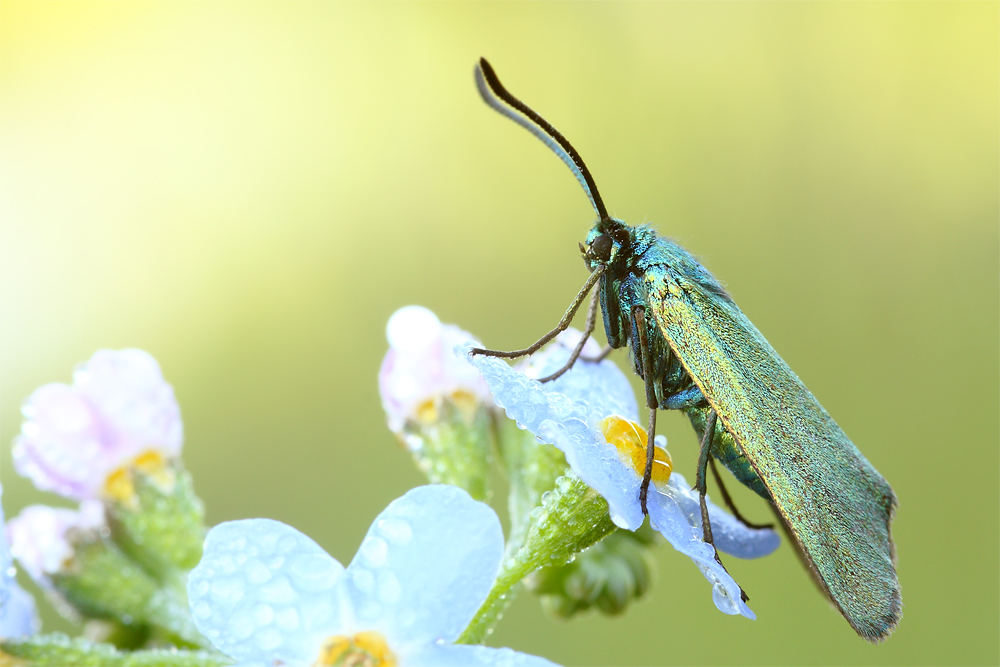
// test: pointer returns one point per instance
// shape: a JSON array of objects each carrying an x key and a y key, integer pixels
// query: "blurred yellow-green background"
[{"x": 249, "y": 190}]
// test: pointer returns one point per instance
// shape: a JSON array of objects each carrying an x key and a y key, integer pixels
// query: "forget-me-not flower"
[
  {"x": 264, "y": 593},
  {"x": 76, "y": 438},
  {"x": 590, "y": 414},
  {"x": 420, "y": 369},
  {"x": 438, "y": 406},
  {"x": 41, "y": 537}
]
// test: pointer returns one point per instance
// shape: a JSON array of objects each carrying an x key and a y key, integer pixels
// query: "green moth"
[{"x": 697, "y": 352}]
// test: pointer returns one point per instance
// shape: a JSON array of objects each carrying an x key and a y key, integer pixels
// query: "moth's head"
[{"x": 605, "y": 243}]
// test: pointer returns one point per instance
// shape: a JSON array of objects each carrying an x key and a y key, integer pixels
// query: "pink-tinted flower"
[
  {"x": 118, "y": 407},
  {"x": 421, "y": 368},
  {"x": 41, "y": 536}
]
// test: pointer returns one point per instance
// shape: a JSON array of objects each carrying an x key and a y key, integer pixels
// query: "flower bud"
[
  {"x": 75, "y": 437},
  {"x": 439, "y": 407}
]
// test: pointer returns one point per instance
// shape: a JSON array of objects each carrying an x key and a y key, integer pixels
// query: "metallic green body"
[
  {"x": 699, "y": 353},
  {"x": 772, "y": 434}
]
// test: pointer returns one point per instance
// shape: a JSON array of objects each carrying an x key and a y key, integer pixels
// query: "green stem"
[
  {"x": 56, "y": 650},
  {"x": 501, "y": 595},
  {"x": 572, "y": 517}
]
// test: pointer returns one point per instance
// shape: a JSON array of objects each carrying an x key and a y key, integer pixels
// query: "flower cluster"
[
  {"x": 434, "y": 573},
  {"x": 112, "y": 442},
  {"x": 76, "y": 437},
  {"x": 265, "y": 593},
  {"x": 590, "y": 414},
  {"x": 438, "y": 406}
]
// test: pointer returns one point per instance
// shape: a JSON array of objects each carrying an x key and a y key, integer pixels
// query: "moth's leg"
[
  {"x": 605, "y": 353},
  {"x": 729, "y": 501},
  {"x": 639, "y": 322},
  {"x": 693, "y": 398},
  {"x": 647, "y": 475},
  {"x": 562, "y": 326},
  {"x": 699, "y": 484},
  {"x": 703, "y": 458},
  {"x": 575, "y": 354}
]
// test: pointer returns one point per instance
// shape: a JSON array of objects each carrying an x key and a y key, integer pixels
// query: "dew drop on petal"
[
  {"x": 374, "y": 550},
  {"x": 256, "y": 572},
  {"x": 263, "y": 614},
  {"x": 288, "y": 619},
  {"x": 277, "y": 591},
  {"x": 201, "y": 610},
  {"x": 240, "y": 626},
  {"x": 363, "y": 580},
  {"x": 286, "y": 543},
  {"x": 228, "y": 588},
  {"x": 396, "y": 531}
]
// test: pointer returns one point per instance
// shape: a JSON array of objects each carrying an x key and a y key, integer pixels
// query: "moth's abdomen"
[{"x": 725, "y": 451}]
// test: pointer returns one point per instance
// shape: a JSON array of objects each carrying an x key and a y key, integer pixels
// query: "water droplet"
[
  {"x": 201, "y": 610},
  {"x": 256, "y": 572},
  {"x": 288, "y": 619},
  {"x": 374, "y": 550},
  {"x": 396, "y": 531},
  {"x": 363, "y": 580}
]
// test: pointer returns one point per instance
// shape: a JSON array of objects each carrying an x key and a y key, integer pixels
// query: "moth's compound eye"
[{"x": 601, "y": 247}]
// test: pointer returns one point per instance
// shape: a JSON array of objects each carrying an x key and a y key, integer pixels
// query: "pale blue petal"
[
  {"x": 684, "y": 533},
  {"x": 265, "y": 592},
  {"x": 597, "y": 463},
  {"x": 425, "y": 567},
  {"x": 565, "y": 413},
  {"x": 601, "y": 386},
  {"x": 459, "y": 655},
  {"x": 731, "y": 536},
  {"x": 18, "y": 615}
]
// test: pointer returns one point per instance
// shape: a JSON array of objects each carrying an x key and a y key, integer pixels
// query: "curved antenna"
[{"x": 490, "y": 89}]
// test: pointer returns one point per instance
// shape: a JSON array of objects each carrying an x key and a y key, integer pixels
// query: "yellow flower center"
[
  {"x": 429, "y": 411},
  {"x": 364, "y": 649},
  {"x": 630, "y": 440},
  {"x": 120, "y": 485}
]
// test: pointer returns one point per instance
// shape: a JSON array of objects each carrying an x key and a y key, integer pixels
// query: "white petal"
[
  {"x": 685, "y": 534},
  {"x": 425, "y": 566},
  {"x": 264, "y": 592}
]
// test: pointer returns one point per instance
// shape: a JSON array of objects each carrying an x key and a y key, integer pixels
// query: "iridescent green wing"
[{"x": 837, "y": 505}]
